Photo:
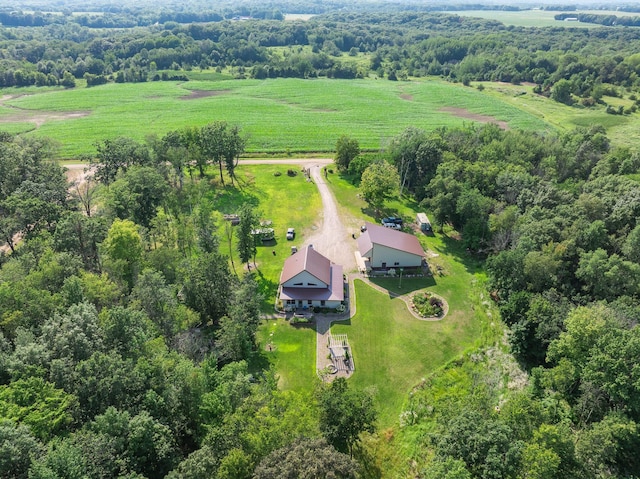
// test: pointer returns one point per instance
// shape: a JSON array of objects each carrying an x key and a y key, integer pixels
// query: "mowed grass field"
[
  {"x": 285, "y": 201},
  {"x": 621, "y": 129},
  {"x": 280, "y": 115}
]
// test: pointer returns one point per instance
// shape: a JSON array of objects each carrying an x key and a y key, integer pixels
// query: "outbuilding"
[{"x": 383, "y": 248}]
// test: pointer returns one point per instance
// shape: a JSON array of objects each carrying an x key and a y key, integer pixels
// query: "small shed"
[{"x": 423, "y": 222}]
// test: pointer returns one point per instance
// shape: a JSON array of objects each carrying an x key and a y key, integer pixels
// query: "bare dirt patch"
[
  {"x": 467, "y": 115},
  {"x": 38, "y": 117},
  {"x": 406, "y": 96},
  {"x": 198, "y": 94}
]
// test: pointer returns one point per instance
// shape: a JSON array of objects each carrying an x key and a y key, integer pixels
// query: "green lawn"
[
  {"x": 277, "y": 114},
  {"x": 288, "y": 202},
  {"x": 393, "y": 350},
  {"x": 293, "y": 354}
]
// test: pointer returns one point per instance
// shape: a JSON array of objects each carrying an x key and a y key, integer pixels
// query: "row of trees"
[{"x": 399, "y": 45}]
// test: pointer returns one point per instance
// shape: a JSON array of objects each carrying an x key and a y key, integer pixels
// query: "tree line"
[{"x": 398, "y": 45}]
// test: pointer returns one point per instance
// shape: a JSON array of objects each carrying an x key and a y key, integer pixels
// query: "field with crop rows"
[
  {"x": 289, "y": 116},
  {"x": 283, "y": 115}
]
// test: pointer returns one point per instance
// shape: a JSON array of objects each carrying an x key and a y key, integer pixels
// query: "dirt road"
[{"x": 332, "y": 238}]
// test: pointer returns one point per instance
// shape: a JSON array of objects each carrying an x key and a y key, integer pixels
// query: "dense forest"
[
  {"x": 585, "y": 63},
  {"x": 556, "y": 218},
  {"x": 128, "y": 337}
]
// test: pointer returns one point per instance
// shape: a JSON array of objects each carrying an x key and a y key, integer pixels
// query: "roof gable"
[
  {"x": 308, "y": 260},
  {"x": 392, "y": 239}
]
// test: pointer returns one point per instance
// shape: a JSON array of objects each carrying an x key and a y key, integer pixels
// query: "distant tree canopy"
[{"x": 168, "y": 45}]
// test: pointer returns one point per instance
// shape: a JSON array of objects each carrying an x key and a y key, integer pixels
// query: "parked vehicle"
[
  {"x": 392, "y": 225},
  {"x": 393, "y": 220},
  {"x": 291, "y": 233},
  {"x": 423, "y": 222}
]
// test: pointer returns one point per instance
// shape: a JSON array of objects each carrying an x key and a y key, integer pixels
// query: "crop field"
[
  {"x": 283, "y": 115},
  {"x": 289, "y": 116},
  {"x": 535, "y": 18}
]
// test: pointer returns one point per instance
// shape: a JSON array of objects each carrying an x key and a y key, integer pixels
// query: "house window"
[
  {"x": 312, "y": 284},
  {"x": 309, "y": 302},
  {"x": 396, "y": 264},
  {"x": 322, "y": 303},
  {"x": 298, "y": 284},
  {"x": 291, "y": 301}
]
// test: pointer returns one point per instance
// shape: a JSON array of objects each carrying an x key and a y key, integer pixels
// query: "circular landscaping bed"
[{"x": 429, "y": 305}]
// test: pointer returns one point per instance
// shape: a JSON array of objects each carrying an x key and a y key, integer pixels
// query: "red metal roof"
[
  {"x": 335, "y": 291},
  {"x": 390, "y": 238},
  {"x": 309, "y": 260}
]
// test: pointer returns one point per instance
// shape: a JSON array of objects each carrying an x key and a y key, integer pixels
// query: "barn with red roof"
[{"x": 383, "y": 248}]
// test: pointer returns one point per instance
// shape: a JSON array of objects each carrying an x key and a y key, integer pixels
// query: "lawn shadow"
[
  {"x": 349, "y": 178},
  {"x": 370, "y": 212},
  {"x": 229, "y": 199},
  {"x": 343, "y": 322},
  {"x": 472, "y": 262},
  {"x": 384, "y": 212},
  {"x": 270, "y": 242},
  {"x": 258, "y": 361},
  {"x": 267, "y": 289},
  {"x": 395, "y": 286}
]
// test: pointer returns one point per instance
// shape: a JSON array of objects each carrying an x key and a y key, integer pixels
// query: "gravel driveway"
[{"x": 331, "y": 238}]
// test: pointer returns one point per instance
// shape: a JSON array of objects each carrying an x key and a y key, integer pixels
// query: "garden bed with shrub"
[{"x": 428, "y": 305}]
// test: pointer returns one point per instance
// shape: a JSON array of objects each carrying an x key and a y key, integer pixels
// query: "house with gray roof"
[
  {"x": 310, "y": 279},
  {"x": 383, "y": 248}
]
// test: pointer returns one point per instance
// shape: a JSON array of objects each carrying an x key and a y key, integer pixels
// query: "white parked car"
[
  {"x": 291, "y": 233},
  {"x": 392, "y": 226}
]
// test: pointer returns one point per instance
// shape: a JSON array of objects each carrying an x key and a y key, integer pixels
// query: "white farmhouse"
[
  {"x": 309, "y": 279},
  {"x": 382, "y": 247}
]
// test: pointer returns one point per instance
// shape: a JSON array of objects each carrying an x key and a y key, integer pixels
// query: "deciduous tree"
[
  {"x": 117, "y": 155},
  {"x": 306, "y": 459},
  {"x": 344, "y": 414},
  {"x": 122, "y": 249},
  {"x": 379, "y": 182},
  {"x": 346, "y": 150}
]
